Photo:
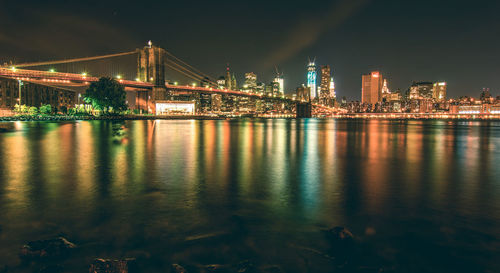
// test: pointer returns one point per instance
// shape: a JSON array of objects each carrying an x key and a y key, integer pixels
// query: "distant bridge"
[{"x": 150, "y": 84}]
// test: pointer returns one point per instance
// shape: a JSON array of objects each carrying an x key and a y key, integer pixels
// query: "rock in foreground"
[
  {"x": 176, "y": 268},
  {"x": 113, "y": 266},
  {"x": 51, "y": 248},
  {"x": 340, "y": 234}
]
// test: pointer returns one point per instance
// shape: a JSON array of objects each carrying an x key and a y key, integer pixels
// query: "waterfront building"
[
  {"x": 176, "y": 108},
  {"x": 371, "y": 87},
  {"x": 439, "y": 91},
  {"x": 311, "y": 79},
  {"x": 34, "y": 94}
]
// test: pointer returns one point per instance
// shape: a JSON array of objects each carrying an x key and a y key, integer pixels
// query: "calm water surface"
[{"x": 423, "y": 196}]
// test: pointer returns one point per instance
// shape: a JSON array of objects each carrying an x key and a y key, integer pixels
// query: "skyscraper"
[
  {"x": 333, "y": 95},
  {"x": 371, "y": 87},
  {"x": 439, "y": 91},
  {"x": 421, "y": 90},
  {"x": 303, "y": 93},
  {"x": 221, "y": 82},
  {"x": 311, "y": 79},
  {"x": 250, "y": 81},
  {"x": 234, "y": 84},
  {"x": 279, "y": 79},
  {"x": 324, "y": 92},
  {"x": 385, "y": 91},
  {"x": 228, "y": 78}
]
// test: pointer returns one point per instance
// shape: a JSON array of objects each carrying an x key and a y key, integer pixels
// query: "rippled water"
[{"x": 423, "y": 196}]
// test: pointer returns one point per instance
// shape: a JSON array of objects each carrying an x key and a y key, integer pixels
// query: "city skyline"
[{"x": 409, "y": 53}]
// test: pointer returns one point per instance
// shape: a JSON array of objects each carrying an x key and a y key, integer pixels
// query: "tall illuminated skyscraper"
[
  {"x": 324, "y": 92},
  {"x": 250, "y": 81},
  {"x": 234, "y": 84},
  {"x": 228, "y": 78},
  {"x": 333, "y": 95},
  {"x": 371, "y": 87},
  {"x": 311, "y": 79},
  {"x": 281, "y": 82},
  {"x": 385, "y": 88},
  {"x": 386, "y": 93},
  {"x": 439, "y": 91}
]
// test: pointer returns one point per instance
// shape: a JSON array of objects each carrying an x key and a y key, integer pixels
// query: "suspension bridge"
[{"x": 148, "y": 77}]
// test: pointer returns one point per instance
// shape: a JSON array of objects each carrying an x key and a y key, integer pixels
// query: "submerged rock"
[
  {"x": 241, "y": 267},
  {"x": 340, "y": 234},
  {"x": 219, "y": 268},
  {"x": 176, "y": 268},
  {"x": 51, "y": 248},
  {"x": 113, "y": 266}
]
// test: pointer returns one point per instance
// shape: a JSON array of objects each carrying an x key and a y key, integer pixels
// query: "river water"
[{"x": 419, "y": 196}]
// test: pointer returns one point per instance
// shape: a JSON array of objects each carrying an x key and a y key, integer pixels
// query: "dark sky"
[{"x": 453, "y": 41}]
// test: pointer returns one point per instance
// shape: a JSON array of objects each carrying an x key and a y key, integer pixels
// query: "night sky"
[{"x": 453, "y": 41}]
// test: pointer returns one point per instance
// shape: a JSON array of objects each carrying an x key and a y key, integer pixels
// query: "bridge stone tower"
[
  {"x": 151, "y": 68},
  {"x": 303, "y": 110}
]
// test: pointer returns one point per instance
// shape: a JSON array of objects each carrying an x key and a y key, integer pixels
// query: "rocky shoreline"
[{"x": 344, "y": 253}]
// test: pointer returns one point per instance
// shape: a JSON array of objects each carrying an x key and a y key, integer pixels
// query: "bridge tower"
[
  {"x": 303, "y": 110},
  {"x": 151, "y": 68}
]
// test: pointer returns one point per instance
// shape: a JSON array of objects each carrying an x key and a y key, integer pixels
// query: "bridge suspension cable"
[
  {"x": 191, "y": 67},
  {"x": 195, "y": 78},
  {"x": 73, "y": 60},
  {"x": 190, "y": 74}
]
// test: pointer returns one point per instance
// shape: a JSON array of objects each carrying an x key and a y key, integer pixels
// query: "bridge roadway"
[{"x": 81, "y": 80}]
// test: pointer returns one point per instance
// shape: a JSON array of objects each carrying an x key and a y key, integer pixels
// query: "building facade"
[
  {"x": 311, "y": 79},
  {"x": 303, "y": 93},
  {"x": 250, "y": 82},
  {"x": 324, "y": 92},
  {"x": 371, "y": 87},
  {"x": 439, "y": 91},
  {"x": 34, "y": 94},
  {"x": 281, "y": 83}
]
